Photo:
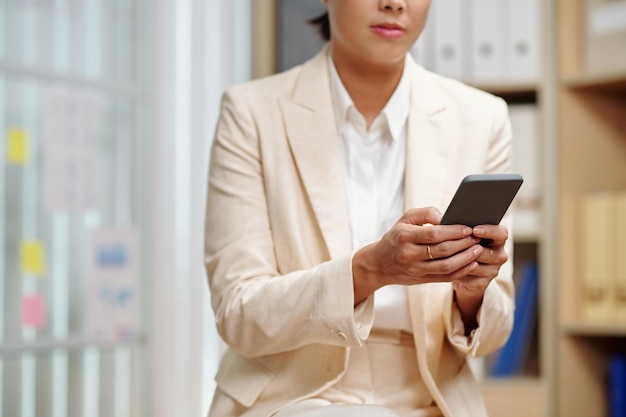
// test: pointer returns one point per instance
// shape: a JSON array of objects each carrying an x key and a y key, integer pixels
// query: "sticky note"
[
  {"x": 17, "y": 146},
  {"x": 33, "y": 312},
  {"x": 33, "y": 258}
]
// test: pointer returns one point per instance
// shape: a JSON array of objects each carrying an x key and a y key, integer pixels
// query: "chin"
[{"x": 387, "y": 57}]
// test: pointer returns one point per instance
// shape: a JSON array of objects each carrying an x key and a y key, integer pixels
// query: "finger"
[
  {"x": 422, "y": 216},
  {"x": 429, "y": 252},
  {"x": 438, "y": 234},
  {"x": 487, "y": 257},
  {"x": 452, "y": 264},
  {"x": 485, "y": 271},
  {"x": 496, "y": 233},
  {"x": 465, "y": 271},
  {"x": 494, "y": 255},
  {"x": 450, "y": 247}
]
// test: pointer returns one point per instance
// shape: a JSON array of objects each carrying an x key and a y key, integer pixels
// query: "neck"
[{"x": 370, "y": 87}]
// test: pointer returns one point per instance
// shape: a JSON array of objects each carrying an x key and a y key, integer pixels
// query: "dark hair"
[{"x": 323, "y": 25}]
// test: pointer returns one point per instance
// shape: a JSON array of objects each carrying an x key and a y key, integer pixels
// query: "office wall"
[
  {"x": 296, "y": 39},
  {"x": 135, "y": 85}
]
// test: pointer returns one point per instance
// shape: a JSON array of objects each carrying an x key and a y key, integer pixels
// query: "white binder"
[
  {"x": 488, "y": 40},
  {"x": 522, "y": 51},
  {"x": 449, "y": 21},
  {"x": 526, "y": 148},
  {"x": 527, "y": 161}
]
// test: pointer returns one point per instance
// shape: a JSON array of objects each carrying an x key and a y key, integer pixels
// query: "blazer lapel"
[
  {"x": 431, "y": 143},
  {"x": 312, "y": 133}
]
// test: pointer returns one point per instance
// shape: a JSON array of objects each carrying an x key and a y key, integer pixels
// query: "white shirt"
[{"x": 374, "y": 162}]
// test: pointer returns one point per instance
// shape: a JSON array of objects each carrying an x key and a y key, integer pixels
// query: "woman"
[{"x": 333, "y": 284}]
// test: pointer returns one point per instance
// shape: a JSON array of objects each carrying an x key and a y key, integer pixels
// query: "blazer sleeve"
[
  {"x": 258, "y": 310},
  {"x": 495, "y": 317}
]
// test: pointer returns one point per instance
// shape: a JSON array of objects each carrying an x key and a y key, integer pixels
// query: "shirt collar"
[{"x": 396, "y": 111}]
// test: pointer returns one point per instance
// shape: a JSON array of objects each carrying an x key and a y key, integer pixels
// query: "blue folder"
[
  {"x": 510, "y": 359},
  {"x": 617, "y": 386}
]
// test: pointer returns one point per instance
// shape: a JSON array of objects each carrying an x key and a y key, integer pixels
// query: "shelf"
[
  {"x": 612, "y": 82},
  {"x": 527, "y": 225},
  {"x": 526, "y": 236},
  {"x": 509, "y": 88},
  {"x": 594, "y": 330},
  {"x": 512, "y": 92},
  {"x": 590, "y": 156}
]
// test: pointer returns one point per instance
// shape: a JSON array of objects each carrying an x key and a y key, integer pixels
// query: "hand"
[
  {"x": 416, "y": 250},
  {"x": 469, "y": 290}
]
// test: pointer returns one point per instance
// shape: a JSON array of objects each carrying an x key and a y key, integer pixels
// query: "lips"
[{"x": 389, "y": 30}]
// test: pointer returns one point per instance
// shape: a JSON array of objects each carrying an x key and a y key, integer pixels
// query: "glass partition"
[{"x": 71, "y": 336}]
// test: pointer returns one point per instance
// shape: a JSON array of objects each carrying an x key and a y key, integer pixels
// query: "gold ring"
[{"x": 430, "y": 255}]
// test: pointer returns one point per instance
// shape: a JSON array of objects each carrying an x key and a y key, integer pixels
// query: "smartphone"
[{"x": 482, "y": 199}]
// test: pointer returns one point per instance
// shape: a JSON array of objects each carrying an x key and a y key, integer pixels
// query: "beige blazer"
[{"x": 278, "y": 244}]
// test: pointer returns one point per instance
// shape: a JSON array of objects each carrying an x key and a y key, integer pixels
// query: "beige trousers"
[{"x": 382, "y": 380}]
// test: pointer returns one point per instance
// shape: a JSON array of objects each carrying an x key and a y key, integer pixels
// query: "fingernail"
[
  {"x": 478, "y": 230},
  {"x": 467, "y": 231},
  {"x": 477, "y": 250}
]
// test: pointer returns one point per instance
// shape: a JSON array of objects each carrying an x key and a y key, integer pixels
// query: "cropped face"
[{"x": 378, "y": 32}]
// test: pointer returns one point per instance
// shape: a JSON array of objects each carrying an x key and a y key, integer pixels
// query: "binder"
[
  {"x": 617, "y": 386},
  {"x": 526, "y": 161},
  {"x": 620, "y": 247},
  {"x": 526, "y": 147},
  {"x": 522, "y": 53},
  {"x": 423, "y": 51},
  {"x": 511, "y": 358},
  {"x": 448, "y": 23},
  {"x": 488, "y": 39},
  {"x": 598, "y": 242}
]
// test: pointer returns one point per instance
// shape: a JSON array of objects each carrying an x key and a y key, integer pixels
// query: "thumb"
[{"x": 422, "y": 216}]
